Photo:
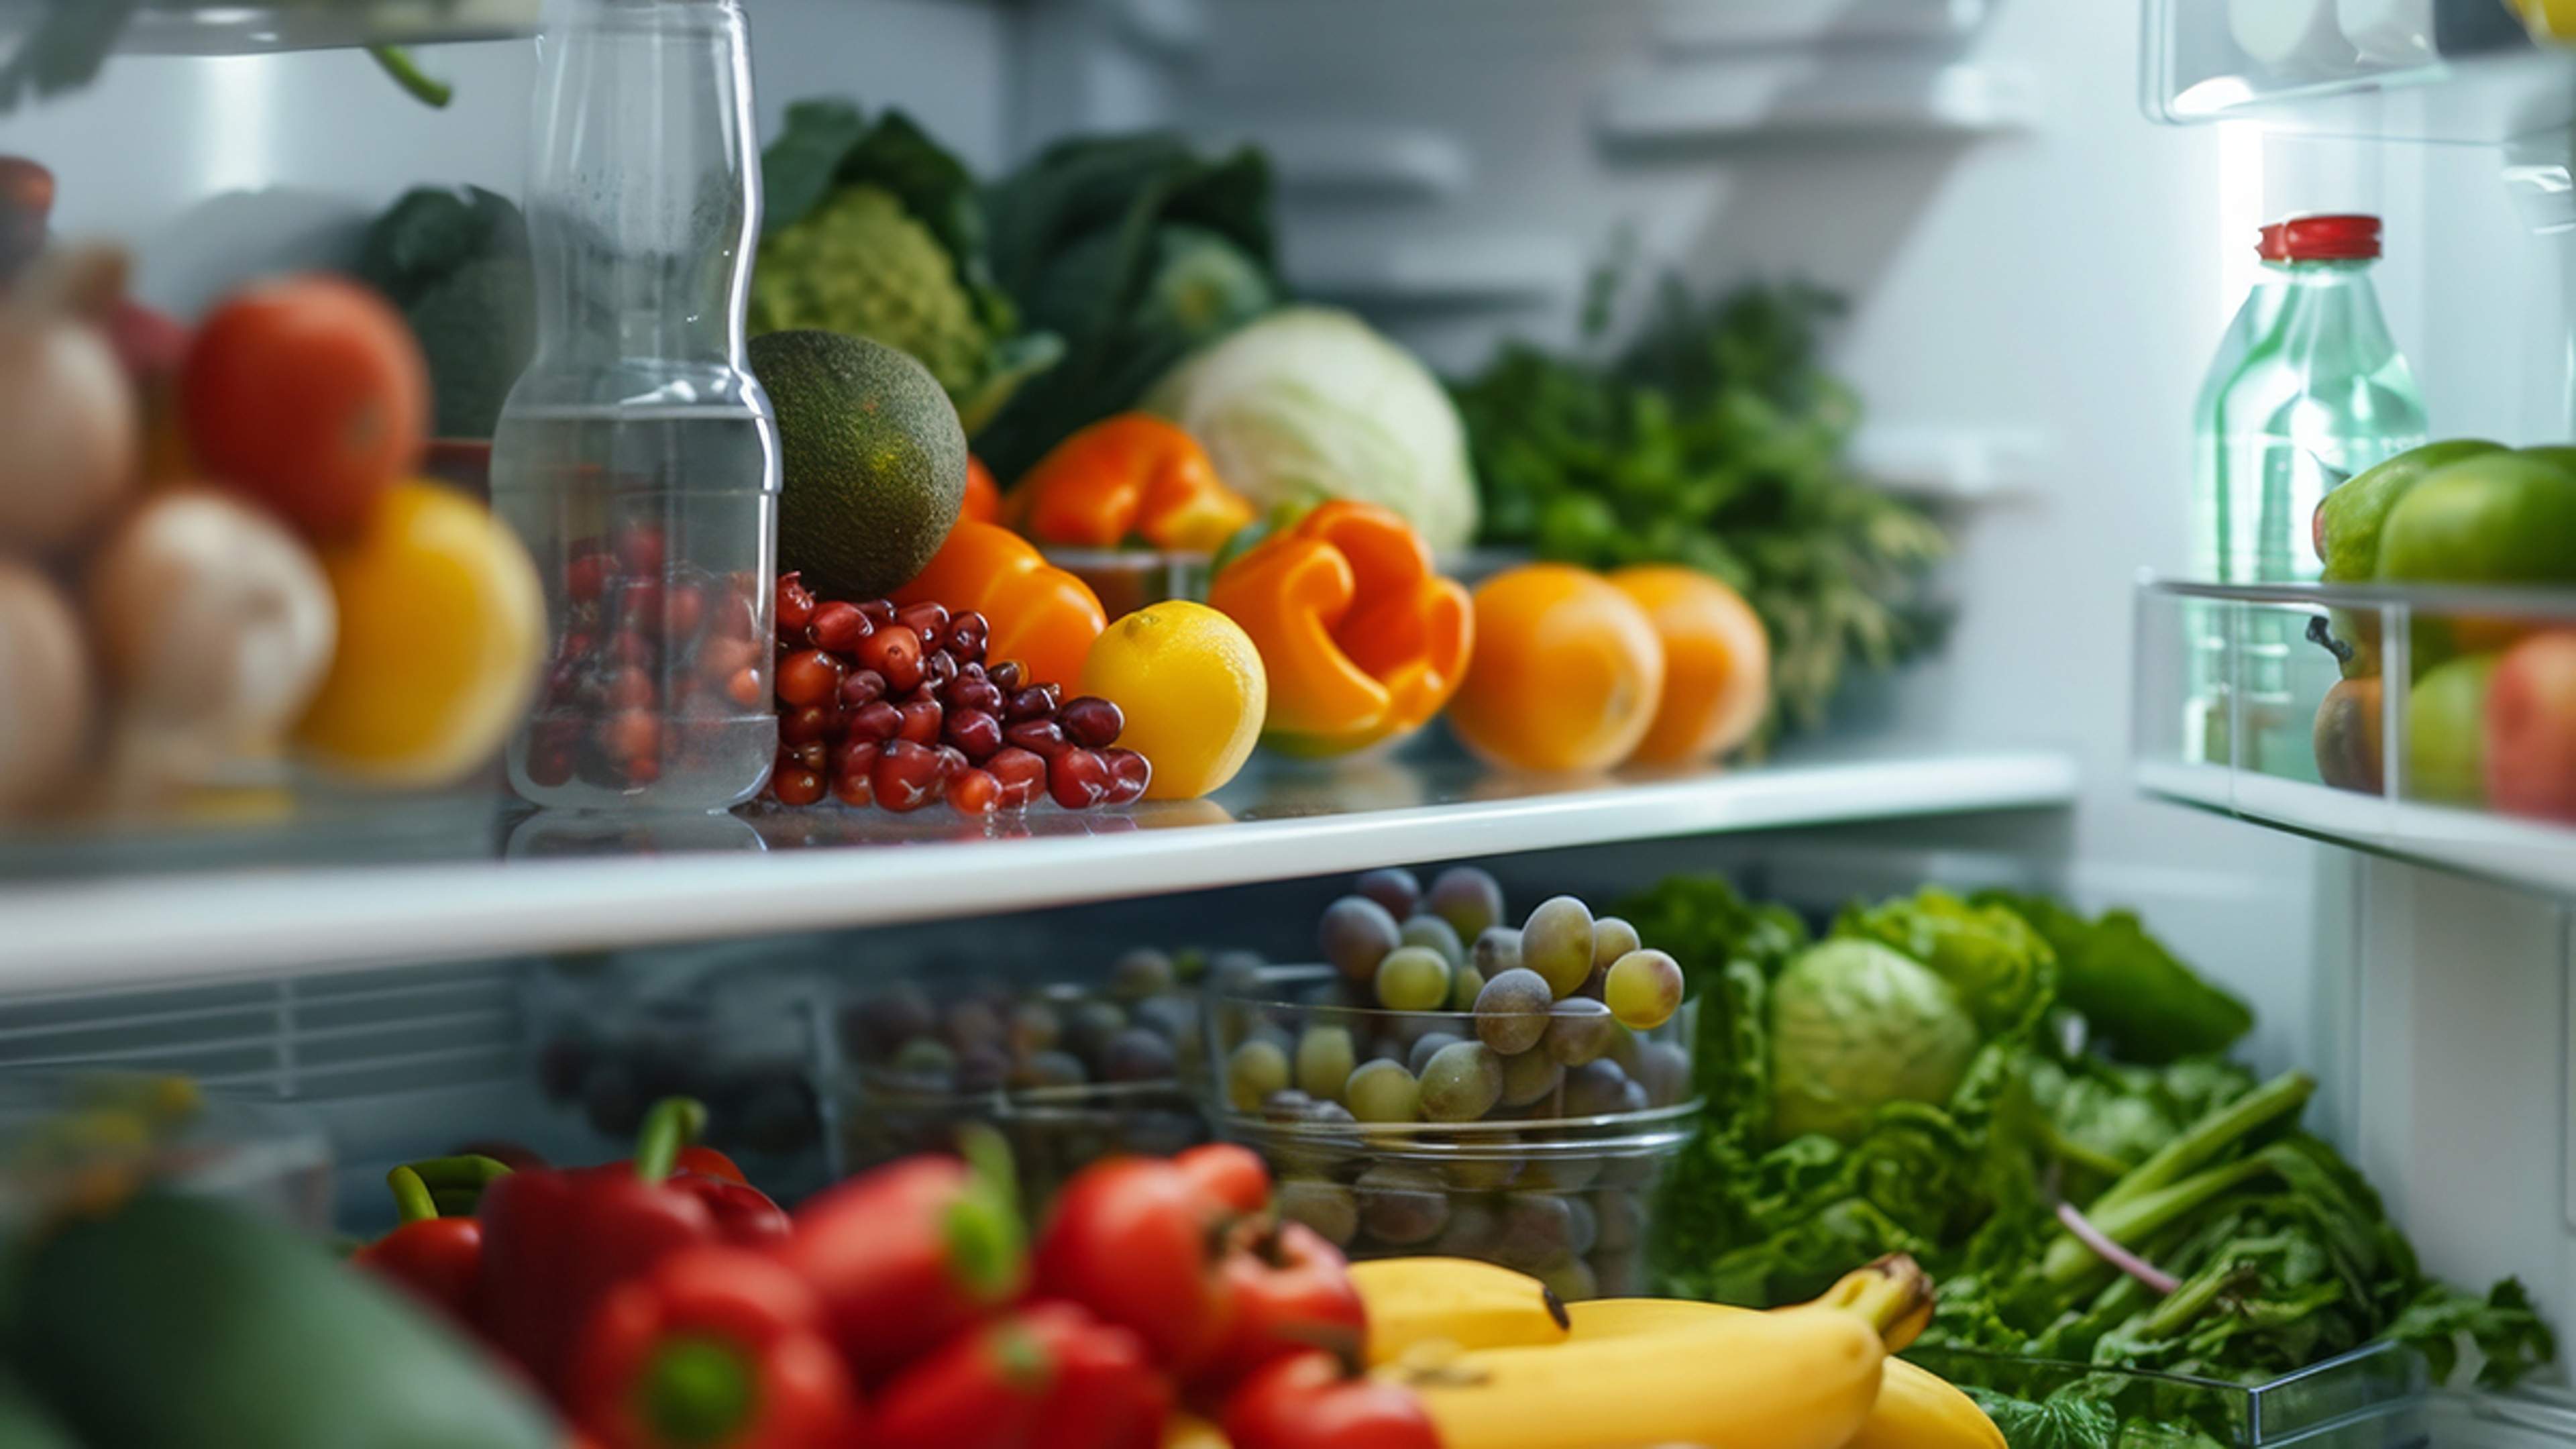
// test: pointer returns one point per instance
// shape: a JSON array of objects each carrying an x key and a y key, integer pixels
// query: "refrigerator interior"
[{"x": 2037, "y": 275}]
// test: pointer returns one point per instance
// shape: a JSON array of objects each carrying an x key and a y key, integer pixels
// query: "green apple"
[
  {"x": 2495, "y": 518},
  {"x": 2346, "y": 529},
  {"x": 2560, "y": 455},
  {"x": 2446, "y": 732}
]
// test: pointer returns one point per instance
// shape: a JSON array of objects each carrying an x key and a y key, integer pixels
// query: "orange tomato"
[
  {"x": 1567, "y": 673},
  {"x": 983, "y": 496},
  {"x": 308, "y": 395},
  {"x": 1717, "y": 663}
]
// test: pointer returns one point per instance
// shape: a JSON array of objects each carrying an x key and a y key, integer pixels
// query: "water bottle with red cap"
[{"x": 2307, "y": 391}]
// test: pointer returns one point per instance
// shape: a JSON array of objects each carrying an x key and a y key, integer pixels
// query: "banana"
[
  {"x": 1795, "y": 1378},
  {"x": 1916, "y": 1408},
  {"x": 1413, "y": 1302}
]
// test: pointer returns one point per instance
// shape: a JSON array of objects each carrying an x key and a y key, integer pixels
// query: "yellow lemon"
[
  {"x": 1192, "y": 688},
  {"x": 442, "y": 623}
]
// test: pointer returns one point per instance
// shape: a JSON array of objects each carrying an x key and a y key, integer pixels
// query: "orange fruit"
[
  {"x": 1192, "y": 687},
  {"x": 442, "y": 624},
  {"x": 1567, "y": 675},
  {"x": 308, "y": 395},
  {"x": 1717, "y": 663}
]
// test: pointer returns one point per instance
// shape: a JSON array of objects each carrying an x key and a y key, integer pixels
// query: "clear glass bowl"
[
  {"x": 2375, "y": 1397},
  {"x": 69, "y": 1136},
  {"x": 1552, "y": 1187},
  {"x": 1053, "y": 1132}
]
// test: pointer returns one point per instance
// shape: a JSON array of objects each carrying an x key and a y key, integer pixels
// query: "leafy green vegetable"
[
  {"x": 2280, "y": 1255},
  {"x": 2058, "y": 1423},
  {"x": 1714, "y": 441},
  {"x": 2130, "y": 990},
  {"x": 456, "y": 264},
  {"x": 871, "y": 228},
  {"x": 1856, "y": 1026},
  {"x": 1136, "y": 249}
]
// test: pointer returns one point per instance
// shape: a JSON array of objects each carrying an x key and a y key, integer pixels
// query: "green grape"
[
  {"x": 925, "y": 1057},
  {"x": 1579, "y": 1030},
  {"x": 1355, "y": 934},
  {"x": 1473, "y": 1230},
  {"x": 1537, "y": 1230},
  {"x": 1621, "y": 1220},
  {"x": 1394, "y": 888},
  {"x": 1463, "y": 987},
  {"x": 1562, "y": 1173},
  {"x": 1427, "y": 1046},
  {"x": 1467, "y": 898},
  {"x": 1382, "y": 1091},
  {"x": 1556, "y": 942},
  {"x": 1512, "y": 1011},
  {"x": 1255, "y": 1070},
  {"x": 1586, "y": 1229},
  {"x": 1643, "y": 989},
  {"x": 1325, "y": 1057},
  {"x": 1664, "y": 1070},
  {"x": 1412, "y": 978},
  {"x": 1461, "y": 1083},
  {"x": 1497, "y": 950},
  {"x": 1400, "y": 1204},
  {"x": 1141, "y": 973},
  {"x": 1327, "y": 1207},
  {"x": 1532, "y": 1076},
  {"x": 1438, "y": 935},
  {"x": 1493, "y": 1168},
  {"x": 1600, "y": 1089},
  {"x": 1612, "y": 938}
]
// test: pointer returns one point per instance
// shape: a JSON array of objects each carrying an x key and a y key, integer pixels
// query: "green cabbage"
[
  {"x": 1856, "y": 1026},
  {"x": 1309, "y": 404}
]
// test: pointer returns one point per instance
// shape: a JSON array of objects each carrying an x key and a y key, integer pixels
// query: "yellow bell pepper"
[{"x": 1361, "y": 640}]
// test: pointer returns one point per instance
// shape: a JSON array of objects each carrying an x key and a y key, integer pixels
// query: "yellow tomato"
[
  {"x": 1193, "y": 690},
  {"x": 1567, "y": 673},
  {"x": 441, "y": 625},
  {"x": 1717, "y": 663}
]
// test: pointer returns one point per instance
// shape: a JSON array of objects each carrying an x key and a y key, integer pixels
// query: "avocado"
[
  {"x": 186, "y": 1323},
  {"x": 873, "y": 461}
]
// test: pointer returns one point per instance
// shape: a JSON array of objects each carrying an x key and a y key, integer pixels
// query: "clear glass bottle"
[
  {"x": 637, "y": 456},
  {"x": 2321, "y": 394}
]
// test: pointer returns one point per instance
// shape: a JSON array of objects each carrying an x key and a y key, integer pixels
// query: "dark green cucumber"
[{"x": 183, "y": 1323}]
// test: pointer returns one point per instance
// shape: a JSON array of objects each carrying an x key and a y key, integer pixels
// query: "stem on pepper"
[
  {"x": 695, "y": 1390},
  {"x": 985, "y": 1237},
  {"x": 673, "y": 1123},
  {"x": 442, "y": 1187},
  {"x": 425, "y": 88}
]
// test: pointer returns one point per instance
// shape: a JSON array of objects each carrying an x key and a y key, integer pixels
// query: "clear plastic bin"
[
  {"x": 1555, "y": 1187},
  {"x": 2439, "y": 70},
  {"x": 2375, "y": 1397},
  {"x": 67, "y": 1137}
]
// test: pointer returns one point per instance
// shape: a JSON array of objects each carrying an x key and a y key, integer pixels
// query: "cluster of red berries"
[{"x": 895, "y": 707}]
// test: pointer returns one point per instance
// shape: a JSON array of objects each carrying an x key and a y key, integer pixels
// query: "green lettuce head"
[{"x": 1855, "y": 1026}]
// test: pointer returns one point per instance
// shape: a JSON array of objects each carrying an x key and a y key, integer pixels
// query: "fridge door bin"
[{"x": 2377, "y": 1396}]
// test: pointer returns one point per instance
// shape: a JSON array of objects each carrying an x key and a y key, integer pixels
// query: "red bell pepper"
[
  {"x": 435, "y": 1252},
  {"x": 1050, "y": 1376},
  {"x": 707, "y": 1162},
  {"x": 909, "y": 1255},
  {"x": 744, "y": 1214},
  {"x": 1291, "y": 1290},
  {"x": 557, "y": 1242},
  {"x": 1304, "y": 1401},
  {"x": 717, "y": 1347},
  {"x": 1135, "y": 1239}
]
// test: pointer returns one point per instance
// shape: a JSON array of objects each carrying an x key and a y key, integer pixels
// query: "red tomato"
[
  {"x": 1130, "y": 1239},
  {"x": 1304, "y": 1402},
  {"x": 308, "y": 395},
  {"x": 1229, "y": 1174},
  {"x": 1289, "y": 1290}
]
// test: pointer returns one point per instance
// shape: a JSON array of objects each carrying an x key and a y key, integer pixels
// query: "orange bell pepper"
[
  {"x": 1361, "y": 640},
  {"x": 1129, "y": 477},
  {"x": 983, "y": 503},
  {"x": 1038, "y": 614}
]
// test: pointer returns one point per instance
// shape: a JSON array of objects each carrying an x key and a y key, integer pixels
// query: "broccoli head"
[{"x": 860, "y": 264}]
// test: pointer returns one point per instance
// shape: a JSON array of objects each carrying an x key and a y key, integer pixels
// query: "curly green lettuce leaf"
[
  {"x": 2133, "y": 993},
  {"x": 2004, "y": 971}
]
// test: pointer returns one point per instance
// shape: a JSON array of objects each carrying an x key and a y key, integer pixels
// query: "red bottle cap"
[{"x": 2320, "y": 239}]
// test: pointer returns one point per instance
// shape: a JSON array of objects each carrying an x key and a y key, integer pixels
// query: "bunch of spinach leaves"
[
  {"x": 1715, "y": 440},
  {"x": 2112, "y": 1094}
]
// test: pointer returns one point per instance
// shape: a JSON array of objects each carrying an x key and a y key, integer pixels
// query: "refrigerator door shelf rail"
[
  {"x": 584, "y": 883},
  {"x": 233, "y": 27},
  {"x": 2243, "y": 707}
]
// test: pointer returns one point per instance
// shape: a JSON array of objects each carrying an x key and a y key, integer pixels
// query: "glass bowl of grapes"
[
  {"x": 1444, "y": 1083},
  {"x": 1067, "y": 1073}
]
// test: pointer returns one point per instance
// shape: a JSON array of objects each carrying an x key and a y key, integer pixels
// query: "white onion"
[{"x": 45, "y": 691}]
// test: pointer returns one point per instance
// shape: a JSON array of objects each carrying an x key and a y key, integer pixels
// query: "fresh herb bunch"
[
  {"x": 1715, "y": 440},
  {"x": 2100, "y": 1079}
]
